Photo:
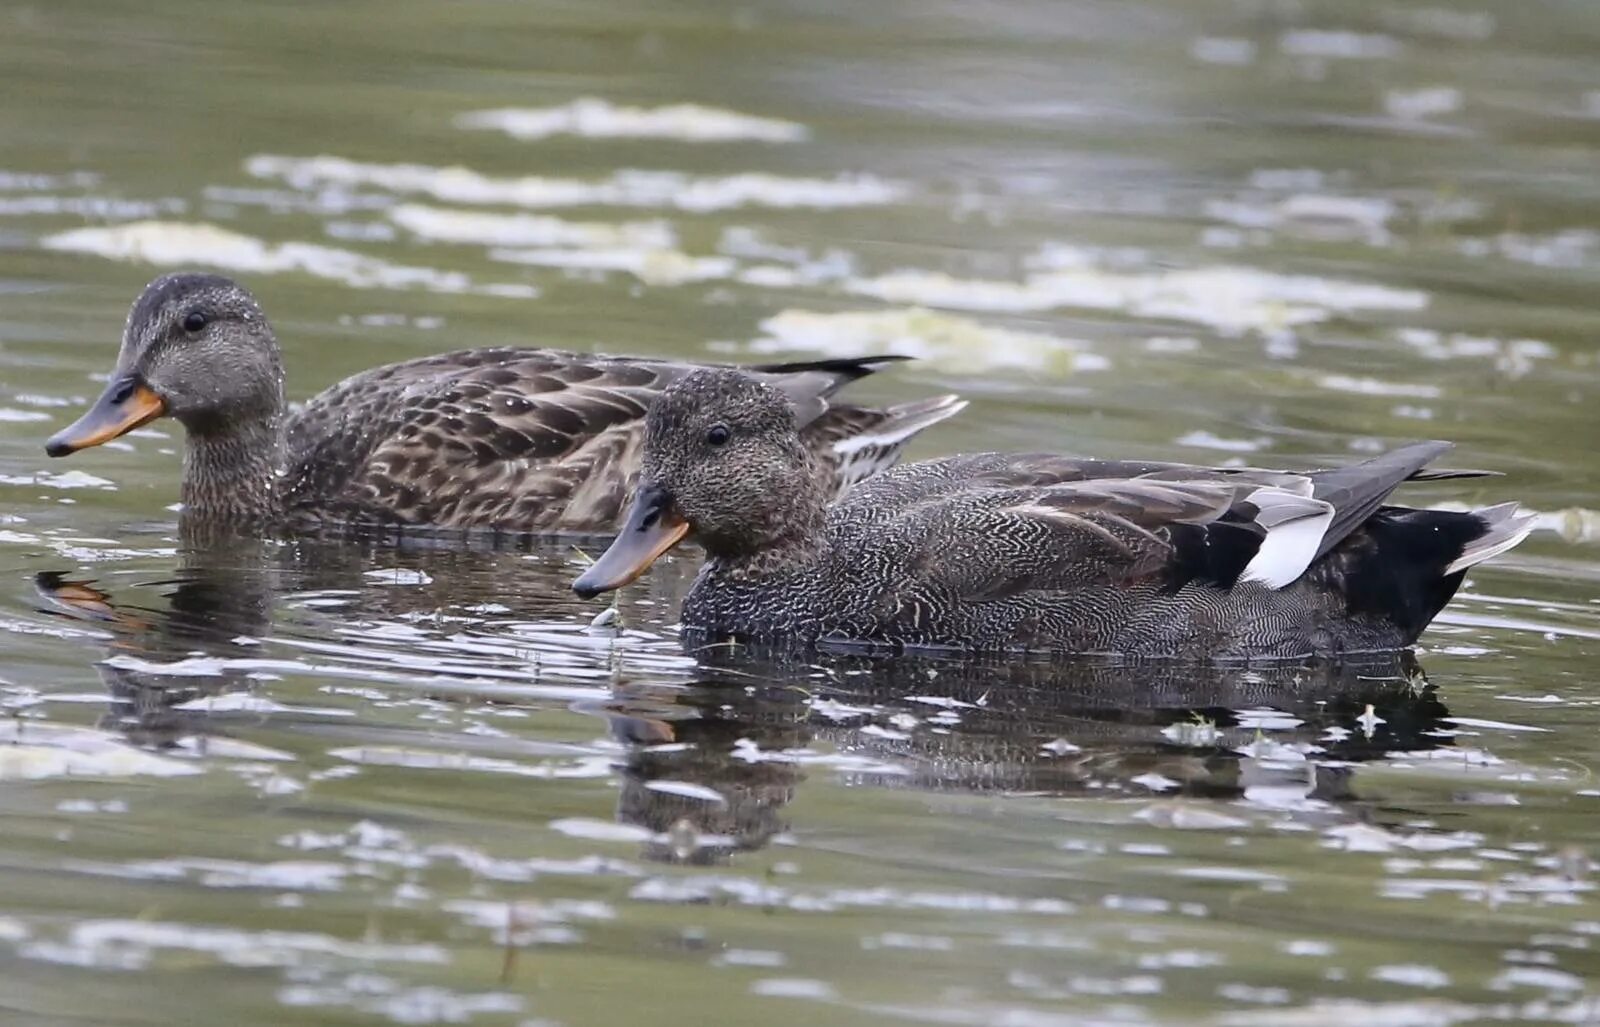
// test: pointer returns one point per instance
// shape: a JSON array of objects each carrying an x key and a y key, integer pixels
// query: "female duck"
[
  {"x": 1036, "y": 551},
  {"x": 521, "y": 440}
]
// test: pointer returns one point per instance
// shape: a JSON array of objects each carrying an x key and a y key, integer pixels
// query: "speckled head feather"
[
  {"x": 201, "y": 343},
  {"x": 726, "y": 449}
]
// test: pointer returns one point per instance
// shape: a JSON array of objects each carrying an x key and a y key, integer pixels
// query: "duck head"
[
  {"x": 723, "y": 464},
  {"x": 196, "y": 347}
]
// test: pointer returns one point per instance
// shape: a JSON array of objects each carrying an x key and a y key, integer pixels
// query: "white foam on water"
[
  {"x": 453, "y": 225},
  {"x": 177, "y": 243},
  {"x": 1206, "y": 440},
  {"x": 130, "y": 944},
  {"x": 624, "y": 188},
  {"x": 1333, "y": 43},
  {"x": 59, "y": 480},
  {"x": 1567, "y": 249},
  {"x": 1231, "y": 300},
  {"x": 947, "y": 341},
  {"x": 1223, "y": 50},
  {"x": 596, "y": 118},
  {"x": 423, "y": 759},
  {"x": 1314, "y": 215},
  {"x": 94, "y": 208},
  {"x": 591, "y": 829},
  {"x": 35, "y": 751},
  {"x": 1377, "y": 387},
  {"x": 1421, "y": 104},
  {"x": 653, "y": 267}
]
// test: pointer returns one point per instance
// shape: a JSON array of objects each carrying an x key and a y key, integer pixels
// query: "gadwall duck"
[
  {"x": 1036, "y": 551},
  {"x": 517, "y": 440}
]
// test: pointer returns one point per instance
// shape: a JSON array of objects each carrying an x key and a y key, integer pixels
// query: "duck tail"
[
  {"x": 1413, "y": 561},
  {"x": 1505, "y": 525},
  {"x": 876, "y": 445},
  {"x": 840, "y": 371}
]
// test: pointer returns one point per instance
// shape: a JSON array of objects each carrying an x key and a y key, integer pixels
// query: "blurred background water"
[{"x": 319, "y": 783}]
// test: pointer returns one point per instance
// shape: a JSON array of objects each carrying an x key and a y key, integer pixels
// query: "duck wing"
[
  {"x": 996, "y": 525},
  {"x": 515, "y": 439},
  {"x": 991, "y": 544}
]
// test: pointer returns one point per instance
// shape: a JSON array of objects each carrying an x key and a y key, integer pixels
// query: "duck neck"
[
  {"x": 785, "y": 536},
  {"x": 231, "y": 470},
  {"x": 780, "y": 556}
]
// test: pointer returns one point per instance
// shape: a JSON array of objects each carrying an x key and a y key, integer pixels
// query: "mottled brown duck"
[
  {"x": 516, "y": 440},
  {"x": 1036, "y": 551}
]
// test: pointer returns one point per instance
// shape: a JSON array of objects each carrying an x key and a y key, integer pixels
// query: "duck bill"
[
  {"x": 124, "y": 406},
  {"x": 654, "y": 526}
]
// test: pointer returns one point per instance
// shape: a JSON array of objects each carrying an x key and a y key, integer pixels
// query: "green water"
[{"x": 315, "y": 783}]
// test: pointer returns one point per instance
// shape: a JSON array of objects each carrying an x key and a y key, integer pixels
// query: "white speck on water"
[
  {"x": 1492, "y": 725},
  {"x": 1236, "y": 992},
  {"x": 1377, "y": 387},
  {"x": 449, "y": 225},
  {"x": 63, "y": 480},
  {"x": 652, "y": 267},
  {"x": 687, "y": 790},
  {"x": 175, "y": 243},
  {"x": 597, "y": 118},
  {"x": 1187, "y": 816},
  {"x": 131, "y": 944},
  {"x": 1193, "y": 734},
  {"x": 600, "y": 830},
  {"x": 793, "y": 987},
  {"x": 751, "y": 957},
  {"x": 1541, "y": 977},
  {"x": 1223, "y": 50},
  {"x": 244, "y": 702},
  {"x": 1240, "y": 874},
  {"x": 1206, "y": 440},
  {"x": 1339, "y": 44},
  {"x": 1155, "y": 782},
  {"x": 1416, "y": 975},
  {"x": 951, "y": 342},
  {"x": 398, "y": 576},
  {"x": 1420, "y": 104},
  {"x": 626, "y": 188},
  {"x": 1232, "y": 300},
  {"x": 35, "y": 751}
]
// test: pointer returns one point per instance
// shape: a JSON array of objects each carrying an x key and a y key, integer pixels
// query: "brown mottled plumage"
[
  {"x": 1005, "y": 551},
  {"x": 516, "y": 440}
]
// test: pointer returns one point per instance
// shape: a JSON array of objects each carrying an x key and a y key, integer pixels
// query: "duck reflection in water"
[
  {"x": 219, "y": 604},
  {"x": 710, "y": 769}
]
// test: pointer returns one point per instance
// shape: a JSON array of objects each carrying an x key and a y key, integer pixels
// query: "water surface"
[{"x": 320, "y": 782}]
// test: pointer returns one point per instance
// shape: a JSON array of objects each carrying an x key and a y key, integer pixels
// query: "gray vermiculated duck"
[
  {"x": 520, "y": 440},
  {"x": 1036, "y": 551}
]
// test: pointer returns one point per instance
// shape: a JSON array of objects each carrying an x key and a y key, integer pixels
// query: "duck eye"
[
  {"x": 716, "y": 435},
  {"x": 194, "y": 321}
]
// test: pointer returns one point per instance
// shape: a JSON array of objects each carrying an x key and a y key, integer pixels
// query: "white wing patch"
[{"x": 1295, "y": 525}]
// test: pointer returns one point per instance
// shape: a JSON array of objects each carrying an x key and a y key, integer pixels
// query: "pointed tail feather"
[
  {"x": 837, "y": 371},
  {"x": 870, "y": 448},
  {"x": 1505, "y": 525}
]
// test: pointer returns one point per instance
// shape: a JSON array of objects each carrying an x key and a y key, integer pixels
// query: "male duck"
[
  {"x": 1036, "y": 551},
  {"x": 522, "y": 440}
]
